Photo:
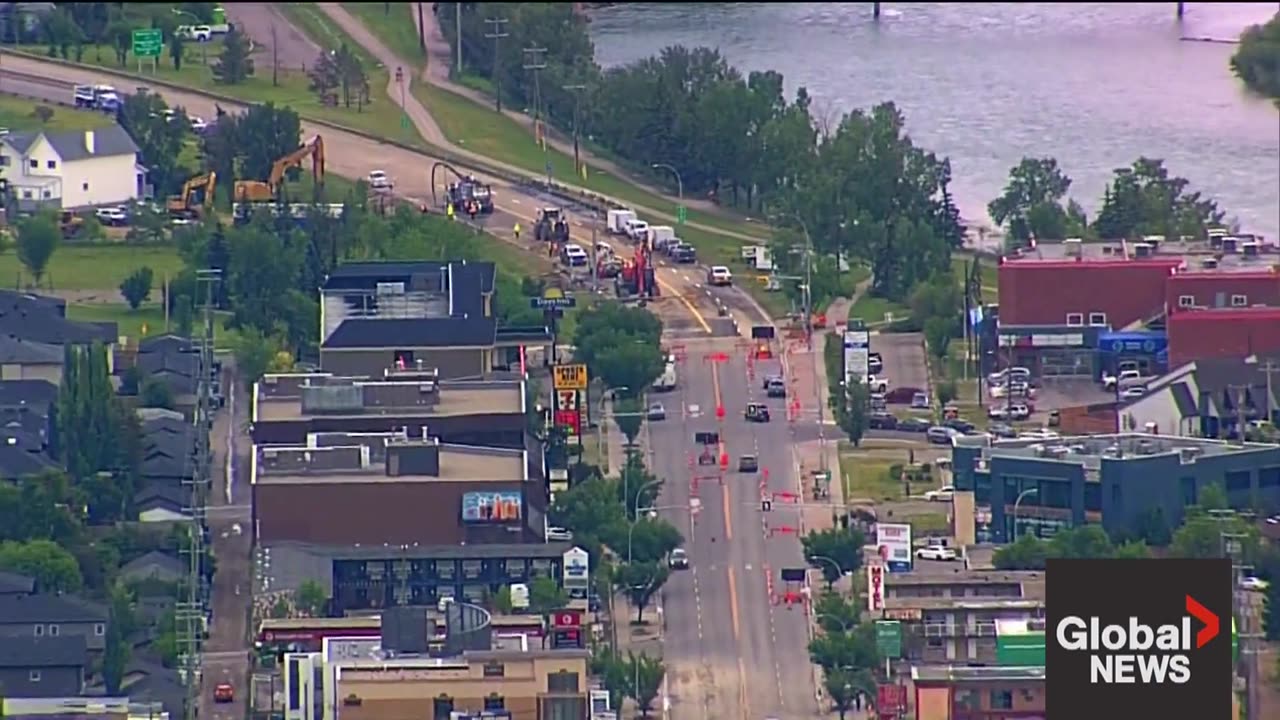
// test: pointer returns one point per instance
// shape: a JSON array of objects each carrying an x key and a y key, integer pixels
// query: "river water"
[{"x": 1093, "y": 84}]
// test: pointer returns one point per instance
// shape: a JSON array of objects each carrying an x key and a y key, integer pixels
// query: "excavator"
[
  {"x": 256, "y": 191},
  {"x": 636, "y": 279},
  {"x": 185, "y": 205}
]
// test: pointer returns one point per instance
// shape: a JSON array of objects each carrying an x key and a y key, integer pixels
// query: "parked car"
[
  {"x": 937, "y": 552},
  {"x": 1133, "y": 393},
  {"x": 940, "y": 435},
  {"x": 875, "y": 363},
  {"x": 114, "y": 216},
  {"x": 1254, "y": 584},
  {"x": 902, "y": 395},
  {"x": 960, "y": 425},
  {"x": 913, "y": 424},
  {"x": 882, "y": 421},
  {"x": 1002, "y": 430},
  {"x": 877, "y": 385},
  {"x": 920, "y": 400},
  {"x": 559, "y": 533},
  {"x": 942, "y": 494},
  {"x": 379, "y": 180}
]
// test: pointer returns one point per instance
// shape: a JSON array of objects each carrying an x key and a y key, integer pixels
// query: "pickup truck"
[{"x": 1126, "y": 379}]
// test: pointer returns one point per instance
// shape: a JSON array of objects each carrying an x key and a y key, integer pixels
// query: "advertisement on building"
[
  {"x": 893, "y": 541},
  {"x": 857, "y": 349},
  {"x": 495, "y": 507}
]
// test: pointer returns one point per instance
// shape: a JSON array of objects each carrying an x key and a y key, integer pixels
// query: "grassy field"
[
  {"x": 146, "y": 321},
  {"x": 866, "y": 477},
  {"x": 873, "y": 309},
  {"x": 927, "y": 524},
  {"x": 18, "y": 114},
  {"x": 393, "y": 24},
  {"x": 92, "y": 267}
]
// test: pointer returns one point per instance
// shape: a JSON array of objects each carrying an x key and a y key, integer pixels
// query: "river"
[{"x": 1094, "y": 85}]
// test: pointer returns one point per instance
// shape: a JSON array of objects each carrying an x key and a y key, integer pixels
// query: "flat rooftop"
[
  {"x": 968, "y": 603},
  {"x": 293, "y": 396},
  {"x": 961, "y": 576},
  {"x": 1191, "y": 254},
  {"x": 1091, "y": 450},
  {"x": 383, "y": 458},
  {"x": 964, "y": 673}
]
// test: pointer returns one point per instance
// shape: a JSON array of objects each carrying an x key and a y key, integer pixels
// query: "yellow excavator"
[
  {"x": 188, "y": 204},
  {"x": 252, "y": 191}
]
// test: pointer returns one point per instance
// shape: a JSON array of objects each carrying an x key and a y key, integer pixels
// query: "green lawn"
[
  {"x": 92, "y": 267},
  {"x": 869, "y": 478},
  {"x": 393, "y": 24},
  {"x": 928, "y": 524},
  {"x": 874, "y": 309},
  {"x": 18, "y": 114},
  {"x": 987, "y": 271},
  {"x": 147, "y": 320}
]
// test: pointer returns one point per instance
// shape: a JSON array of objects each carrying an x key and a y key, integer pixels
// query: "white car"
[
  {"x": 378, "y": 180},
  {"x": 113, "y": 215},
  {"x": 877, "y": 385},
  {"x": 719, "y": 275},
  {"x": 937, "y": 553},
  {"x": 199, "y": 33},
  {"x": 678, "y": 560},
  {"x": 1254, "y": 584},
  {"x": 198, "y": 124},
  {"x": 942, "y": 494},
  {"x": 1133, "y": 393},
  {"x": 558, "y": 533}
]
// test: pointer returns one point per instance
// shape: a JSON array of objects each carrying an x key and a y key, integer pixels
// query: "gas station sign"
[{"x": 568, "y": 412}]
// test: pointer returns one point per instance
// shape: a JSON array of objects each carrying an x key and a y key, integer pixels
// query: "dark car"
[
  {"x": 776, "y": 388},
  {"x": 757, "y": 412},
  {"x": 875, "y": 363},
  {"x": 1002, "y": 430},
  {"x": 901, "y": 395},
  {"x": 913, "y": 424},
  {"x": 882, "y": 421},
  {"x": 748, "y": 464},
  {"x": 684, "y": 254},
  {"x": 960, "y": 424}
]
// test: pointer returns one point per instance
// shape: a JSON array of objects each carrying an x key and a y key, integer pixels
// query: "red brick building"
[
  {"x": 1083, "y": 292},
  {"x": 1222, "y": 332},
  {"x": 1200, "y": 290}
]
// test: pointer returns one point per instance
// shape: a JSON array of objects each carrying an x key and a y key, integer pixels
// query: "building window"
[
  {"x": 1001, "y": 699},
  {"x": 4, "y": 161},
  {"x": 1238, "y": 481},
  {"x": 53, "y": 630},
  {"x": 26, "y": 195},
  {"x": 39, "y": 631},
  {"x": 1269, "y": 477},
  {"x": 99, "y": 629},
  {"x": 562, "y": 682},
  {"x": 1188, "y": 487},
  {"x": 441, "y": 708},
  {"x": 34, "y": 676},
  {"x": 1186, "y": 301},
  {"x": 1093, "y": 497},
  {"x": 494, "y": 702},
  {"x": 51, "y": 164},
  {"x": 84, "y": 187},
  {"x": 1239, "y": 301},
  {"x": 494, "y": 670},
  {"x": 1075, "y": 320},
  {"x": 574, "y": 708},
  {"x": 35, "y": 164},
  {"x": 1097, "y": 319}
]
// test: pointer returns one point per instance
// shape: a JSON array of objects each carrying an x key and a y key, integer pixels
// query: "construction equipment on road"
[
  {"x": 470, "y": 196},
  {"x": 196, "y": 198},
  {"x": 263, "y": 192},
  {"x": 552, "y": 226},
  {"x": 636, "y": 278}
]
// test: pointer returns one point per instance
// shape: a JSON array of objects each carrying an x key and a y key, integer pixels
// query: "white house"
[
  {"x": 1206, "y": 398},
  {"x": 73, "y": 169}
]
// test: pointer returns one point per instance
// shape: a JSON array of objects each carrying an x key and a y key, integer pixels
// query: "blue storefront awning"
[{"x": 1135, "y": 342}]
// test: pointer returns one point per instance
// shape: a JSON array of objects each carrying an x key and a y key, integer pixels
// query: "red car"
[{"x": 224, "y": 693}]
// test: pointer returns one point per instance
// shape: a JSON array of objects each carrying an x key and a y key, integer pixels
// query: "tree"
[
  {"x": 855, "y": 649},
  {"x": 844, "y": 686},
  {"x": 53, "y": 567},
  {"x": 325, "y": 77},
  {"x": 937, "y": 337},
  {"x": 834, "y": 613},
  {"x": 651, "y": 540},
  {"x": 264, "y": 267},
  {"x": 62, "y": 33},
  {"x": 647, "y": 674},
  {"x": 136, "y": 288},
  {"x": 116, "y": 652},
  {"x": 351, "y": 77},
  {"x": 1257, "y": 59},
  {"x": 38, "y": 238},
  {"x": 1027, "y": 552},
  {"x": 629, "y": 415},
  {"x": 1031, "y": 204},
  {"x": 1144, "y": 199},
  {"x": 263, "y": 134},
  {"x": 851, "y": 415},
  {"x": 502, "y": 602},
  {"x": 155, "y": 394},
  {"x": 835, "y": 551},
  {"x": 160, "y": 135},
  {"x": 254, "y": 353},
  {"x": 236, "y": 62},
  {"x": 641, "y": 581},
  {"x": 311, "y": 598}
]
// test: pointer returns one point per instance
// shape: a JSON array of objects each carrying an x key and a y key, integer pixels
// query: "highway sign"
[
  {"x": 553, "y": 303},
  {"x": 147, "y": 43},
  {"x": 569, "y": 377},
  {"x": 682, "y": 214},
  {"x": 889, "y": 638}
]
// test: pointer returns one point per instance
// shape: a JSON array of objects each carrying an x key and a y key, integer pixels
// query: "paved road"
[
  {"x": 267, "y": 26},
  {"x": 904, "y": 359},
  {"x": 732, "y": 652}
]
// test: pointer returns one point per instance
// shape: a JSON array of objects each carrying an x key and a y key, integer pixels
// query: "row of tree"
[
  {"x": 846, "y": 651},
  {"x": 1141, "y": 199},
  {"x": 1257, "y": 59}
]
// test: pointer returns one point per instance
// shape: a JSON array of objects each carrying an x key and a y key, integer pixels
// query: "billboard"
[
  {"x": 495, "y": 506},
  {"x": 893, "y": 541},
  {"x": 857, "y": 350},
  {"x": 875, "y": 587}
]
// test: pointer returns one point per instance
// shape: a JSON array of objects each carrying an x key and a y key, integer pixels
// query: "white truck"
[
  {"x": 660, "y": 235},
  {"x": 97, "y": 97},
  {"x": 666, "y": 382},
  {"x": 637, "y": 230},
  {"x": 616, "y": 221}
]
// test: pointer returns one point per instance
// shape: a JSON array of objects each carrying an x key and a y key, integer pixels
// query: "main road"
[{"x": 734, "y": 650}]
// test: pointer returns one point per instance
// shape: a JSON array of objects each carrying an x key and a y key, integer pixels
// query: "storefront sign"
[
  {"x": 569, "y": 377},
  {"x": 568, "y": 412},
  {"x": 893, "y": 540},
  {"x": 577, "y": 566},
  {"x": 875, "y": 587}
]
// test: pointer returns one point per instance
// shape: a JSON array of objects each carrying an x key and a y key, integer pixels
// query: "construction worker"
[
  {"x": 516, "y": 229},
  {"x": 471, "y": 209},
  {"x": 449, "y": 210}
]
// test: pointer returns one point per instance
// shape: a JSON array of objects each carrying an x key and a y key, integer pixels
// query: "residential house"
[
  {"x": 72, "y": 169},
  {"x": 39, "y": 667},
  {"x": 44, "y": 615},
  {"x": 160, "y": 502},
  {"x": 15, "y": 584},
  {"x": 23, "y": 454},
  {"x": 34, "y": 318},
  {"x": 26, "y": 409},
  {"x": 154, "y": 566},
  {"x": 178, "y": 371},
  {"x": 168, "y": 447},
  {"x": 27, "y": 360},
  {"x": 1207, "y": 398}
]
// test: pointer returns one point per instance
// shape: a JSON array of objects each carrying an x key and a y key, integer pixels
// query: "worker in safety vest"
[
  {"x": 516, "y": 229},
  {"x": 472, "y": 208},
  {"x": 449, "y": 210}
]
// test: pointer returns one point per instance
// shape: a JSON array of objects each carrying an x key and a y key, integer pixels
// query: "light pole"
[
  {"x": 833, "y": 563},
  {"x": 674, "y": 171},
  {"x": 635, "y": 505},
  {"x": 1016, "y": 503}
]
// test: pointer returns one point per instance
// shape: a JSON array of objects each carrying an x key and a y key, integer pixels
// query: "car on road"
[
  {"x": 574, "y": 256},
  {"x": 942, "y": 494},
  {"x": 882, "y": 421},
  {"x": 912, "y": 423},
  {"x": 768, "y": 379},
  {"x": 875, "y": 363},
  {"x": 378, "y": 180},
  {"x": 902, "y": 395},
  {"x": 960, "y": 425},
  {"x": 1015, "y": 389},
  {"x": 756, "y": 412},
  {"x": 1254, "y": 584},
  {"x": 1002, "y": 430},
  {"x": 678, "y": 559},
  {"x": 684, "y": 254},
  {"x": 937, "y": 552},
  {"x": 719, "y": 276},
  {"x": 877, "y": 385},
  {"x": 941, "y": 435},
  {"x": 1133, "y": 393},
  {"x": 656, "y": 412},
  {"x": 775, "y": 388},
  {"x": 224, "y": 693},
  {"x": 559, "y": 533},
  {"x": 1009, "y": 375},
  {"x": 748, "y": 464},
  {"x": 920, "y": 400},
  {"x": 199, "y": 33}
]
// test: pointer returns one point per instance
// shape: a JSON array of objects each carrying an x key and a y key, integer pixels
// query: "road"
[
  {"x": 268, "y": 28},
  {"x": 731, "y": 651},
  {"x": 904, "y": 359}
]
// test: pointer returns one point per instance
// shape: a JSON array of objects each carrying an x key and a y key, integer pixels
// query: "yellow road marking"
[{"x": 737, "y": 639}]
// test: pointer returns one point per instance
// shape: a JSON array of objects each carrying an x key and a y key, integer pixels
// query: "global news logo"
[{"x": 1136, "y": 652}]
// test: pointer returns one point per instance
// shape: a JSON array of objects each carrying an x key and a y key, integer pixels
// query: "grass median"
[{"x": 392, "y": 23}]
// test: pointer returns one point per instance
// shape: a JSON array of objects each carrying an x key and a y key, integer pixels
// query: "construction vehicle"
[
  {"x": 70, "y": 224},
  {"x": 470, "y": 194},
  {"x": 636, "y": 277},
  {"x": 256, "y": 191},
  {"x": 552, "y": 226},
  {"x": 199, "y": 188}
]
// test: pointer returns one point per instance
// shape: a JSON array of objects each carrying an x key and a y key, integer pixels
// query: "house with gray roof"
[
  {"x": 22, "y": 359},
  {"x": 72, "y": 169},
  {"x": 43, "y": 667},
  {"x": 46, "y": 615}
]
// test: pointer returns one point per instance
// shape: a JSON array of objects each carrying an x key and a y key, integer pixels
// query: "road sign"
[
  {"x": 147, "y": 43},
  {"x": 889, "y": 638},
  {"x": 553, "y": 303},
  {"x": 569, "y": 377},
  {"x": 682, "y": 214}
]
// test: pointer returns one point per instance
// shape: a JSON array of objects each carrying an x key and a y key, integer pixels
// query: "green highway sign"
[
  {"x": 889, "y": 638},
  {"x": 147, "y": 43},
  {"x": 682, "y": 214}
]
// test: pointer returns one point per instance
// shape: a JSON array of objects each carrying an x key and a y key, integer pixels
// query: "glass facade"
[{"x": 373, "y": 584}]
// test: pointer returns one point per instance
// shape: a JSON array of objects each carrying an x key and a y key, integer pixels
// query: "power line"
[
  {"x": 496, "y": 32},
  {"x": 535, "y": 60}
]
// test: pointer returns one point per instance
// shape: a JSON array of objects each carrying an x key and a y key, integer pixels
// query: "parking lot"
[{"x": 904, "y": 359}]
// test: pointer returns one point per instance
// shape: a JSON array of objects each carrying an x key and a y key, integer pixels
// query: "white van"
[
  {"x": 666, "y": 382},
  {"x": 616, "y": 221},
  {"x": 660, "y": 235},
  {"x": 637, "y": 229}
]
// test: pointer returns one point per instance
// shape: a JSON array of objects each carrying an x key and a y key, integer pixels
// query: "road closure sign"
[{"x": 569, "y": 377}]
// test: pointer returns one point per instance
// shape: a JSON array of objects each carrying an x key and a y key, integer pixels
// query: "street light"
[
  {"x": 635, "y": 515},
  {"x": 674, "y": 171},
  {"x": 833, "y": 563},
  {"x": 1016, "y": 503}
]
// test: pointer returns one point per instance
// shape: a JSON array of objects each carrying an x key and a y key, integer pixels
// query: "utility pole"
[
  {"x": 422, "y": 32},
  {"x": 1239, "y": 395},
  {"x": 457, "y": 29},
  {"x": 497, "y": 31},
  {"x": 1268, "y": 367},
  {"x": 577, "y": 106},
  {"x": 190, "y": 613},
  {"x": 535, "y": 60}
]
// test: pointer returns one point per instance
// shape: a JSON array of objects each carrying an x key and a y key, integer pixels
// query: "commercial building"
[
  {"x": 962, "y": 584},
  {"x": 1209, "y": 398},
  {"x": 954, "y": 692},
  {"x": 1219, "y": 333},
  {"x": 946, "y": 630},
  {"x": 289, "y": 408},
  {"x": 377, "y": 315},
  {"x": 1115, "y": 480}
]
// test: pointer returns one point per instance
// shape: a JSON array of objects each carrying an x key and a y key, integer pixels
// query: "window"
[
  {"x": 562, "y": 682},
  {"x": 1188, "y": 487},
  {"x": 1186, "y": 301},
  {"x": 562, "y": 708},
  {"x": 46, "y": 194},
  {"x": 1238, "y": 481},
  {"x": 1239, "y": 301},
  {"x": 51, "y": 164},
  {"x": 1269, "y": 477},
  {"x": 4, "y": 161},
  {"x": 441, "y": 708},
  {"x": 54, "y": 630},
  {"x": 1097, "y": 319},
  {"x": 84, "y": 187},
  {"x": 1093, "y": 497},
  {"x": 1075, "y": 320},
  {"x": 35, "y": 164},
  {"x": 34, "y": 676},
  {"x": 1001, "y": 700},
  {"x": 494, "y": 702},
  {"x": 99, "y": 629},
  {"x": 39, "y": 631},
  {"x": 26, "y": 195}
]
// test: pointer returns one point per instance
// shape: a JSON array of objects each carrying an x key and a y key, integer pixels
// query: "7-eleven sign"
[{"x": 568, "y": 411}]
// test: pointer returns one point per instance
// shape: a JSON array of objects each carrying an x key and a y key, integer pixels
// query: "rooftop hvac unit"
[
  {"x": 1215, "y": 236},
  {"x": 1189, "y": 454},
  {"x": 1143, "y": 250},
  {"x": 1153, "y": 240},
  {"x": 1229, "y": 245},
  {"x": 1058, "y": 452},
  {"x": 1249, "y": 249}
]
